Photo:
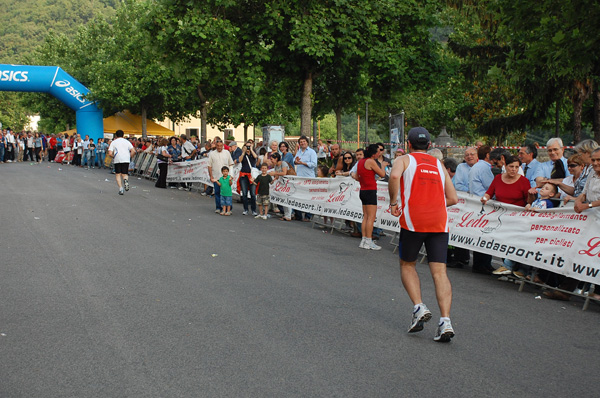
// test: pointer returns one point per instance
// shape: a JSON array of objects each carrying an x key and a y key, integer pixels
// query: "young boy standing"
[
  {"x": 226, "y": 192},
  {"x": 263, "y": 182}
]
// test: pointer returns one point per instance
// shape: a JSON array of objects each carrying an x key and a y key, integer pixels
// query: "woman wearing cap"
[{"x": 366, "y": 170}]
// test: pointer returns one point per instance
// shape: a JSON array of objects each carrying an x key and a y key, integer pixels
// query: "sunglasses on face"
[
  {"x": 572, "y": 165},
  {"x": 347, "y": 158}
]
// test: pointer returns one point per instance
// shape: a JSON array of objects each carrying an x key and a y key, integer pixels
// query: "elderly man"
[
  {"x": 527, "y": 156},
  {"x": 480, "y": 178},
  {"x": 556, "y": 167},
  {"x": 461, "y": 178},
  {"x": 216, "y": 160},
  {"x": 236, "y": 152}
]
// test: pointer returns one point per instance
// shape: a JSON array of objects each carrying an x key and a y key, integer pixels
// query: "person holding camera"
[{"x": 245, "y": 180}]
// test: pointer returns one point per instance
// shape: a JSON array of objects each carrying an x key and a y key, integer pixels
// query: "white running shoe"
[
  {"x": 371, "y": 245},
  {"x": 258, "y": 216},
  {"x": 264, "y": 217},
  {"x": 245, "y": 213},
  {"x": 419, "y": 317},
  {"x": 126, "y": 183},
  {"x": 362, "y": 244},
  {"x": 121, "y": 191},
  {"x": 444, "y": 332}
]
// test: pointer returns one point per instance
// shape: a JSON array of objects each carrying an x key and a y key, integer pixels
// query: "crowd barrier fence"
[{"x": 559, "y": 240}]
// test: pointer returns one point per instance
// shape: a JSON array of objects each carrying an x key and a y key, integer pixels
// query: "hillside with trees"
[{"x": 25, "y": 23}]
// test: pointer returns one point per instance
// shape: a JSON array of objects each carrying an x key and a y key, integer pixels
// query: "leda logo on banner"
[
  {"x": 13, "y": 76},
  {"x": 67, "y": 86}
]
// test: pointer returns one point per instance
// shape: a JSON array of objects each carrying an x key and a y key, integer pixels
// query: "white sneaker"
[
  {"x": 419, "y": 317},
  {"x": 264, "y": 217},
  {"x": 258, "y": 216},
  {"x": 126, "y": 184},
  {"x": 362, "y": 244},
  {"x": 371, "y": 245},
  {"x": 121, "y": 191},
  {"x": 254, "y": 213},
  {"x": 245, "y": 213},
  {"x": 444, "y": 332}
]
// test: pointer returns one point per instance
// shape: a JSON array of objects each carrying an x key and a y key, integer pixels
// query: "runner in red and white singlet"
[
  {"x": 422, "y": 195},
  {"x": 425, "y": 190}
]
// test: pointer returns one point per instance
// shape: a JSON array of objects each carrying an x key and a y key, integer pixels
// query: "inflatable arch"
[{"x": 55, "y": 81}]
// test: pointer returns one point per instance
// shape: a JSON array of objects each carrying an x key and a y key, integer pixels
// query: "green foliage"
[{"x": 25, "y": 23}]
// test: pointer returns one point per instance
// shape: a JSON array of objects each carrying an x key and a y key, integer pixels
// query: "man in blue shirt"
[
  {"x": 527, "y": 156},
  {"x": 553, "y": 168},
  {"x": 305, "y": 161},
  {"x": 480, "y": 175},
  {"x": 480, "y": 179},
  {"x": 461, "y": 178}
]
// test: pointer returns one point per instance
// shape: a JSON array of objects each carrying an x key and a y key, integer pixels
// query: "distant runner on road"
[{"x": 123, "y": 151}]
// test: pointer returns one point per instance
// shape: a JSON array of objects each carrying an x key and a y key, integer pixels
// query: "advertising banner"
[{"x": 558, "y": 240}]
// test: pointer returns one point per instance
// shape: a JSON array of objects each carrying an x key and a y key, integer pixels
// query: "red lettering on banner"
[
  {"x": 593, "y": 247},
  {"x": 468, "y": 222},
  {"x": 279, "y": 187},
  {"x": 335, "y": 197}
]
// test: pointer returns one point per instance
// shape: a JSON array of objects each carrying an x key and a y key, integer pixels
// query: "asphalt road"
[{"x": 152, "y": 294}]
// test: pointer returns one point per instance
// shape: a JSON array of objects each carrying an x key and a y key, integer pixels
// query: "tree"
[
  {"x": 125, "y": 70},
  {"x": 553, "y": 51}
]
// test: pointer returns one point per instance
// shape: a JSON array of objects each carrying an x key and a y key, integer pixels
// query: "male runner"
[
  {"x": 123, "y": 151},
  {"x": 425, "y": 190}
]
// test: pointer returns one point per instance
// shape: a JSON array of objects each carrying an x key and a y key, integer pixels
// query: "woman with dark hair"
[
  {"x": 286, "y": 155},
  {"x": 163, "y": 165},
  {"x": 348, "y": 162},
  {"x": 366, "y": 170},
  {"x": 510, "y": 187},
  {"x": 174, "y": 150}
]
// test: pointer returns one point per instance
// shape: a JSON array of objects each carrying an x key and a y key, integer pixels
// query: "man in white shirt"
[
  {"x": 216, "y": 160},
  {"x": 123, "y": 151}
]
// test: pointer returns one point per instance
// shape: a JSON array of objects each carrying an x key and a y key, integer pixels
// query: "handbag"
[
  {"x": 253, "y": 170},
  {"x": 290, "y": 171}
]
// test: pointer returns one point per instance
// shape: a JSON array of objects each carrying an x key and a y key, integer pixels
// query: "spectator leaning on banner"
[{"x": 480, "y": 179}]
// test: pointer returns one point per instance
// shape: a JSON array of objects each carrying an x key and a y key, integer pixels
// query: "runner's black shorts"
[
  {"x": 436, "y": 245},
  {"x": 368, "y": 197},
  {"x": 121, "y": 168}
]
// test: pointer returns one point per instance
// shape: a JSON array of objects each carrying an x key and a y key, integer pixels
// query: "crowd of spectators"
[
  {"x": 518, "y": 179},
  {"x": 524, "y": 181}
]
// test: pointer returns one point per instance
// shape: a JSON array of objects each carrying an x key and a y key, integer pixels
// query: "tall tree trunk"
[
  {"x": 245, "y": 133},
  {"x": 338, "y": 123},
  {"x": 581, "y": 91},
  {"x": 203, "y": 114},
  {"x": 596, "y": 121},
  {"x": 306, "y": 105},
  {"x": 144, "y": 123}
]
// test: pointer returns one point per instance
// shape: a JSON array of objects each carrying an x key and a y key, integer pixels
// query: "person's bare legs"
[
  {"x": 443, "y": 288},
  {"x": 119, "y": 182},
  {"x": 410, "y": 280}
]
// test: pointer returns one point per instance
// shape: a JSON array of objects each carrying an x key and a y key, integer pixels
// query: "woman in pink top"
[{"x": 365, "y": 174}]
